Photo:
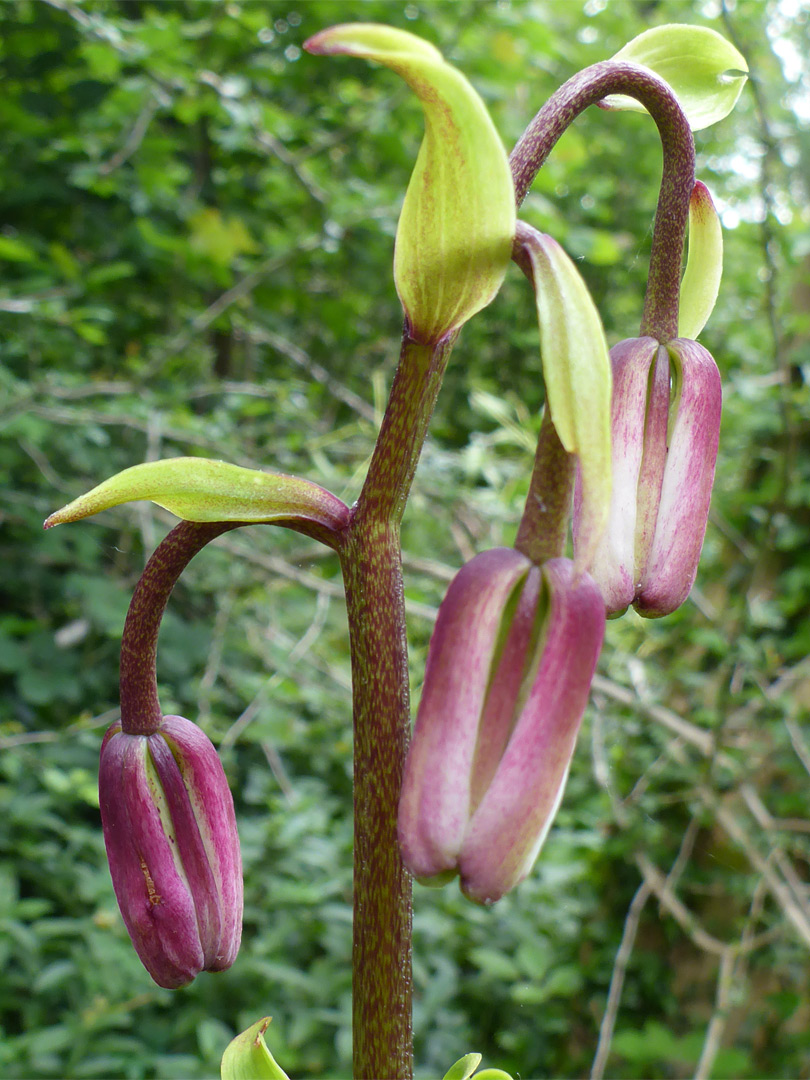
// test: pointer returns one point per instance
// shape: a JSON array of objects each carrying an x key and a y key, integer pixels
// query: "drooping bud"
[
  {"x": 508, "y": 675},
  {"x": 173, "y": 848},
  {"x": 666, "y": 426}
]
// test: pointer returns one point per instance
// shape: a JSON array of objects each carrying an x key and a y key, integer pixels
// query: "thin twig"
[
  {"x": 135, "y": 137},
  {"x": 631, "y": 923},
  {"x": 799, "y": 745},
  {"x": 676, "y": 908},
  {"x": 252, "y": 710},
  {"x": 318, "y": 373},
  {"x": 214, "y": 660},
  {"x": 714, "y": 1032},
  {"x": 690, "y": 733},
  {"x": 794, "y": 909},
  {"x": 26, "y": 738},
  {"x": 278, "y": 771}
]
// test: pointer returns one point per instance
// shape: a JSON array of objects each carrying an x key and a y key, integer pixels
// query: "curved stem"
[
  {"x": 140, "y": 707},
  {"x": 588, "y": 87},
  {"x": 543, "y": 529}
]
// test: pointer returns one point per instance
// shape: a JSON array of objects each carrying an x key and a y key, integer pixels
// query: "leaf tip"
[
  {"x": 63, "y": 516},
  {"x": 319, "y": 44}
]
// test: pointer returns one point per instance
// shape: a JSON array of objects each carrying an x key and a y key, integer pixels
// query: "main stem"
[
  {"x": 370, "y": 555},
  {"x": 660, "y": 317}
]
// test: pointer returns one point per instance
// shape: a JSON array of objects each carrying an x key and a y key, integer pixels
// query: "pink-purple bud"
[
  {"x": 170, "y": 832},
  {"x": 507, "y": 679},
  {"x": 665, "y": 431}
]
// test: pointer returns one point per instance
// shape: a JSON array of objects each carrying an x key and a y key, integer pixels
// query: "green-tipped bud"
[
  {"x": 706, "y": 72},
  {"x": 455, "y": 232}
]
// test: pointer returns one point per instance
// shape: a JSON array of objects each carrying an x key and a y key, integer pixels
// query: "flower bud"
[
  {"x": 665, "y": 431},
  {"x": 170, "y": 832},
  {"x": 507, "y": 679}
]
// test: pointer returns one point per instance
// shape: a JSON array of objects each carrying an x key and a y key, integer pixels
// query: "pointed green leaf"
[
  {"x": 493, "y": 1074},
  {"x": 706, "y": 72},
  {"x": 455, "y": 232},
  {"x": 704, "y": 264},
  {"x": 247, "y": 1057},
  {"x": 576, "y": 370},
  {"x": 200, "y": 490},
  {"x": 463, "y": 1068}
]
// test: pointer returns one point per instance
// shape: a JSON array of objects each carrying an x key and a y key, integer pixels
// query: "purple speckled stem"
[
  {"x": 543, "y": 528},
  {"x": 140, "y": 708},
  {"x": 660, "y": 317},
  {"x": 370, "y": 555}
]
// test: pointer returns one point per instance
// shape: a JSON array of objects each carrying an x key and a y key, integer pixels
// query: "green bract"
[
  {"x": 704, "y": 264},
  {"x": 464, "y": 1068},
  {"x": 455, "y": 232},
  {"x": 197, "y": 489},
  {"x": 706, "y": 72},
  {"x": 247, "y": 1057},
  {"x": 576, "y": 370}
]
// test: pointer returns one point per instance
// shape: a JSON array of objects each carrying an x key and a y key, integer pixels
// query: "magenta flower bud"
[
  {"x": 665, "y": 430},
  {"x": 170, "y": 832},
  {"x": 507, "y": 679}
]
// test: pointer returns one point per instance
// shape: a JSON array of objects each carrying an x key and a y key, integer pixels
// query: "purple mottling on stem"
[
  {"x": 588, "y": 87},
  {"x": 544, "y": 526},
  {"x": 372, "y": 573}
]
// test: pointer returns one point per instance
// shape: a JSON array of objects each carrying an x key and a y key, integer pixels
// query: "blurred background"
[{"x": 196, "y": 233}]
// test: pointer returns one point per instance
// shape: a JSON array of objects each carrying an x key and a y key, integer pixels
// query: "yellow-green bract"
[
  {"x": 576, "y": 371},
  {"x": 197, "y": 489},
  {"x": 464, "y": 1068},
  {"x": 247, "y": 1056},
  {"x": 706, "y": 72},
  {"x": 704, "y": 264},
  {"x": 455, "y": 232}
]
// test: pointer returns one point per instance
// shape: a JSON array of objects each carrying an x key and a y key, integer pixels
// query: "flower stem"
[
  {"x": 140, "y": 707},
  {"x": 371, "y": 560},
  {"x": 543, "y": 529},
  {"x": 587, "y": 87}
]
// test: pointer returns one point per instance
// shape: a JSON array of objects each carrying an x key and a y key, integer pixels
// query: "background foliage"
[{"x": 196, "y": 242}]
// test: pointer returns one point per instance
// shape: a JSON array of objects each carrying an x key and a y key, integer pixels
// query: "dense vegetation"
[{"x": 196, "y": 243}]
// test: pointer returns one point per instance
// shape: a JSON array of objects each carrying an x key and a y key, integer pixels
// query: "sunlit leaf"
[{"x": 705, "y": 70}]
